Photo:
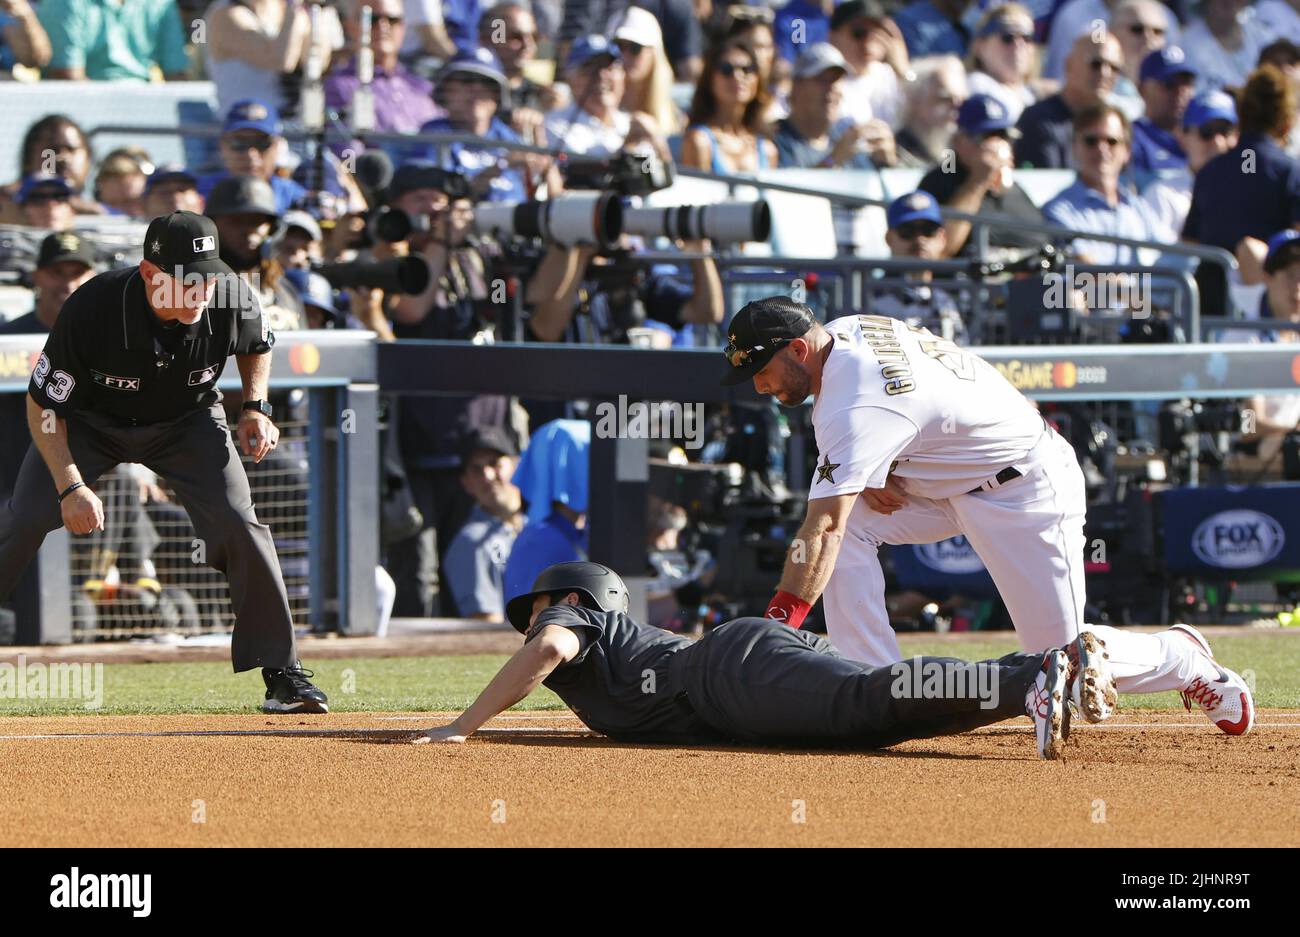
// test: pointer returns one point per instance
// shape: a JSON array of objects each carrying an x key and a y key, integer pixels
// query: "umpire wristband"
[
  {"x": 788, "y": 608},
  {"x": 70, "y": 489}
]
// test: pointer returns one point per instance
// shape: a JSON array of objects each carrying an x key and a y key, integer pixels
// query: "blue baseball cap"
[
  {"x": 1214, "y": 105},
  {"x": 982, "y": 113},
  {"x": 1164, "y": 64},
  {"x": 252, "y": 114},
  {"x": 43, "y": 185},
  {"x": 915, "y": 206},
  {"x": 314, "y": 289},
  {"x": 586, "y": 48},
  {"x": 1281, "y": 250},
  {"x": 480, "y": 63}
]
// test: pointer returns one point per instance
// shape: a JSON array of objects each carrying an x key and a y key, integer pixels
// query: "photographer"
[
  {"x": 1276, "y": 418},
  {"x": 457, "y": 306}
]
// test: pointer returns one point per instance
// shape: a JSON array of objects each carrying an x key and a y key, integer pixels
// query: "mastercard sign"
[
  {"x": 304, "y": 359},
  {"x": 1064, "y": 374}
]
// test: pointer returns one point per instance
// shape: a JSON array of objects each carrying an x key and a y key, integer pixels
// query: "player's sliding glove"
[{"x": 788, "y": 608}]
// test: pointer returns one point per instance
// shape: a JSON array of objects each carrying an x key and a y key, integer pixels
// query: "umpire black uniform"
[{"x": 132, "y": 386}]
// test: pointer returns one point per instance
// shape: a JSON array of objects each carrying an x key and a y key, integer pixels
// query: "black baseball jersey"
[
  {"x": 108, "y": 352},
  {"x": 619, "y": 683}
]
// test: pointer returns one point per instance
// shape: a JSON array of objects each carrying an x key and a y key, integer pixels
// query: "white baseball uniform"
[{"x": 899, "y": 399}]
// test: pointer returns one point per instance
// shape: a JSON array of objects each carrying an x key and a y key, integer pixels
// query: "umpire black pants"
[
  {"x": 197, "y": 458},
  {"x": 758, "y": 681}
]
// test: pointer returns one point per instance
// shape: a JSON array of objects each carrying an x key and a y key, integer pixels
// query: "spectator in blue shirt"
[
  {"x": 1253, "y": 190},
  {"x": 1167, "y": 81},
  {"x": 799, "y": 24},
  {"x": 475, "y": 564},
  {"x": 22, "y": 37},
  {"x": 460, "y": 17},
  {"x": 1097, "y": 203},
  {"x": 472, "y": 89},
  {"x": 251, "y": 143},
  {"x": 934, "y": 27},
  {"x": 552, "y": 477}
]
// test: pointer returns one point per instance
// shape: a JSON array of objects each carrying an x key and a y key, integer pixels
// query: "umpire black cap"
[
  {"x": 183, "y": 243},
  {"x": 759, "y": 331},
  {"x": 600, "y": 587},
  {"x": 238, "y": 195}
]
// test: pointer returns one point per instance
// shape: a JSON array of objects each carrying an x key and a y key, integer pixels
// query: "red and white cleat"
[{"x": 1226, "y": 699}]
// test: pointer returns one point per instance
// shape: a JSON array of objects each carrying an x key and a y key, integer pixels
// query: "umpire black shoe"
[{"x": 290, "y": 691}]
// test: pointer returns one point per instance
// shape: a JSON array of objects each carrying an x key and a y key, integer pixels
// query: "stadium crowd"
[{"x": 1153, "y": 108}]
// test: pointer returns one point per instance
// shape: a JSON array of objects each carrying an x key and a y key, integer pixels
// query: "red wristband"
[{"x": 787, "y": 608}]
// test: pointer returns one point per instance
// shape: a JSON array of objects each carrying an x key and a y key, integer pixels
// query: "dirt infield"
[{"x": 1142, "y": 779}]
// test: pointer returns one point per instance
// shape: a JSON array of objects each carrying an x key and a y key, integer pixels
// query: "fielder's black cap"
[
  {"x": 491, "y": 438},
  {"x": 846, "y": 13},
  {"x": 187, "y": 241},
  {"x": 599, "y": 586},
  {"x": 759, "y": 331},
  {"x": 65, "y": 245},
  {"x": 238, "y": 195}
]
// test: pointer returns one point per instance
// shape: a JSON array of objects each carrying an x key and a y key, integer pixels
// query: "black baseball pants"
[{"x": 197, "y": 458}]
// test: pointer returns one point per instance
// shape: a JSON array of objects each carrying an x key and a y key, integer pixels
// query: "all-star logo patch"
[
  {"x": 113, "y": 382},
  {"x": 203, "y": 375}
]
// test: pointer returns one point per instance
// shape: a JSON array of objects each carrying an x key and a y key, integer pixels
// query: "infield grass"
[{"x": 420, "y": 684}]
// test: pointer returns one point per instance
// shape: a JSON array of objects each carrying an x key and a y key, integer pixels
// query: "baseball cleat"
[
  {"x": 290, "y": 691},
  {"x": 1092, "y": 687},
  {"x": 1045, "y": 704},
  {"x": 1226, "y": 699}
]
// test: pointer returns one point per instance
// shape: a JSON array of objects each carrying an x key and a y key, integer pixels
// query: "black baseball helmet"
[{"x": 600, "y": 587}]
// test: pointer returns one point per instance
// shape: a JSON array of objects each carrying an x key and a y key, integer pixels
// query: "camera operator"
[
  {"x": 457, "y": 306},
  {"x": 243, "y": 208},
  {"x": 589, "y": 309},
  {"x": 916, "y": 230}
]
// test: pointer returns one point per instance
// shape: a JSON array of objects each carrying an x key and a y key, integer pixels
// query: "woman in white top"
[
  {"x": 251, "y": 44},
  {"x": 1003, "y": 59}
]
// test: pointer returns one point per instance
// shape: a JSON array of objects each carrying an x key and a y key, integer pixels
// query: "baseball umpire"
[
  {"x": 755, "y": 680},
  {"x": 129, "y": 374}
]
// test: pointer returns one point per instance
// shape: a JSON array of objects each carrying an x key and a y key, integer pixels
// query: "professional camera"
[
  {"x": 624, "y": 173},
  {"x": 393, "y": 225},
  {"x": 726, "y": 222},
  {"x": 572, "y": 218},
  {"x": 409, "y": 275}
]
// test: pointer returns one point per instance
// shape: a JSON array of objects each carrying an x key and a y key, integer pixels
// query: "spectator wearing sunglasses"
[
  {"x": 1097, "y": 203},
  {"x": 1142, "y": 27},
  {"x": 1046, "y": 128},
  {"x": 403, "y": 101},
  {"x": 727, "y": 132},
  {"x": 252, "y": 144},
  {"x": 1209, "y": 127},
  {"x": 1072, "y": 20},
  {"x": 1225, "y": 42},
  {"x": 46, "y": 202},
  {"x": 878, "y": 61},
  {"x": 934, "y": 27},
  {"x": 916, "y": 231},
  {"x": 509, "y": 30},
  {"x": 1167, "y": 81},
  {"x": 649, "y": 85},
  {"x": 980, "y": 182},
  {"x": 1003, "y": 57}
]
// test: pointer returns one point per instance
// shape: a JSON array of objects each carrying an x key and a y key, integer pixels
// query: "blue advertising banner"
[
  {"x": 950, "y": 566},
  {"x": 1233, "y": 532}
]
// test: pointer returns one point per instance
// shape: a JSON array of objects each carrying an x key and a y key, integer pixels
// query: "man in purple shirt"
[{"x": 403, "y": 101}]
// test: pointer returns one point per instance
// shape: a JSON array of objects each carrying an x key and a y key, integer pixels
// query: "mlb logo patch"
[
  {"x": 203, "y": 375},
  {"x": 203, "y": 244}
]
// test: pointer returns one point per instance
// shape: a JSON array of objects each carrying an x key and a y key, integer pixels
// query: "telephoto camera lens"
[
  {"x": 393, "y": 225},
  {"x": 727, "y": 222},
  {"x": 572, "y": 218}
]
